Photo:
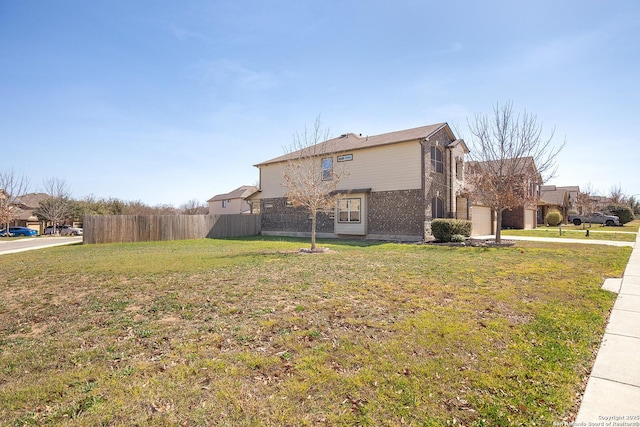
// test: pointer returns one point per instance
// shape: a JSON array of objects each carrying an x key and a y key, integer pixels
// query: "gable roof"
[
  {"x": 239, "y": 193},
  {"x": 32, "y": 200},
  {"x": 519, "y": 165},
  {"x": 552, "y": 195},
  {"x": 351, "y": 141}
]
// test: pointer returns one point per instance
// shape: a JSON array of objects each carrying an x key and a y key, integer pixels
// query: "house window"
[
  {"x": 327, "y": 169},
  {"x": 437, "y": 164},
  {"x": 349, "y": 210},
  {"x": 437, "y": 208},
  {"x": 225, "y": 203},
  {"x": 459, "y": 169}
]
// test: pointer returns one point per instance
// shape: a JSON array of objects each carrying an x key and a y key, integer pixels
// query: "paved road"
[{"x": 21, "y": 245}]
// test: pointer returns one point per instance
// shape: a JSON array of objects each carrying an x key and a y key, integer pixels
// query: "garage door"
[
  {"x": 481, "y": 224},
  {"x": 529, "y": 219}
]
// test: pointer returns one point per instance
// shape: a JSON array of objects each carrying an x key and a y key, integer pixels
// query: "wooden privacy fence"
[{"x": 147, "y": 228}]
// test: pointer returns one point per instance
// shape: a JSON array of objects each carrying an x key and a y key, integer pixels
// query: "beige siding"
[
  {"x": 234, "y": 206},
  {"x": 481, "y": 221},
  {"x": 461, "y": 208},
  {"x": 529, "y": 219},
  {"x": 359, "y": 228},
  {"x": 385, "y": 168}
]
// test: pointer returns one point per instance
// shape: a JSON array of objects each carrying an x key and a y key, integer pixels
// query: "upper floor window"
[
  {"x": 437, "y": 164},
  {"x": 327, "y": 169},
  {"x": 225, "y": 203},
  {"x": 459, "y": 169}
]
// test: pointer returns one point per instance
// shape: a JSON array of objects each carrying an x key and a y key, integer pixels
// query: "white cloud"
[
  {"x": 183, "y": 34},
  {"x": 233, "y": 72}
]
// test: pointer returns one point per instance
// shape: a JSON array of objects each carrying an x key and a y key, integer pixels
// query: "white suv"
[{"x": 64, "y": 230}]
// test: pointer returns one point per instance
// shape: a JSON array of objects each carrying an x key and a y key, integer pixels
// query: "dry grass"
[{"x": 251, "y": 333}]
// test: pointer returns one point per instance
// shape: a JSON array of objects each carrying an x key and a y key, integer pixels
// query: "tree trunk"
[
  {"x": 498, "y": 213},
  {"x": 313, "y": 230}
]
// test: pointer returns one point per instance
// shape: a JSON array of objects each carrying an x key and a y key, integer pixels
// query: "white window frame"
[
  {"x": 327, "y": 168},
  {"x": 437, "y": 159},
  {"x": 346, "y": 206}
]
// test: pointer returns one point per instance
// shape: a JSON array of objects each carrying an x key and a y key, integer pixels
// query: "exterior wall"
[
  {"x": 443, "y": 185},
  {"x": 513, "y": 218},
  {"x": 455, "y": 169},
  {"x": 482, "y": 220},
  {"x": 529, "y": 219},
  {"x": 462, "y": 208},
  {"x": 396, "y": 215},
  {"x": 287, "y": 220},
  {"x": 385, "y": 168},
  {"x": 234, "y": 206},
  {"x": 519, "y": 218},
  {"x": 355, "y": 228},
  {"x": 390, "y": 215}
]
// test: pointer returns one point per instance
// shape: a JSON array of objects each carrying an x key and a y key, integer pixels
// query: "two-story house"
[
  {"x": 234, "y": 202},
  {"x": 393, "y": 186}
]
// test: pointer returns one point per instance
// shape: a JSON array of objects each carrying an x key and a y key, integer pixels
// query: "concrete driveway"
[{"x": 21, "y": 245}]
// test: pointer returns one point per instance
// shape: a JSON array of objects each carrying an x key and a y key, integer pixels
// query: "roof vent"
[{"x": 344, "y": 135}]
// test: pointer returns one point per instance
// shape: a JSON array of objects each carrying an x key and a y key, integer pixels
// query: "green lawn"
[{"x": 251, "y": 333}]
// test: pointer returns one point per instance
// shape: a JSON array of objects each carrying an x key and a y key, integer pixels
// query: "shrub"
[
  {"x": 444, "y": 229},
  {"x": 458, "y": 238},
  {"x": 553, "y": 218},
  {"x": 623, "y": 212}
]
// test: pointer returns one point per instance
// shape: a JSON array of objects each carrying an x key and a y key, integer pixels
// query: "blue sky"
[{"x": 164, "y": 101}]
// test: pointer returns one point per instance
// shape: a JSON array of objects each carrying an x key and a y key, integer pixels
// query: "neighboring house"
[
  {"x": 234, "y": 202},
  {"x": 393, "y": 185},
  {"x": 23, "y": 211},
  {"x": 562, "y": 199},
  {"x": 526, "y": 179},
  {"x": 573, "y": 191}
]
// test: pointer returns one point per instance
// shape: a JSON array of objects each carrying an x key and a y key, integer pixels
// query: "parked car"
[
  {"x": 64, "y": 230},
  {"x": 595, "y": 218},
  {"x": 67, "y": 230},
  {"x": 18, "y": 231}
]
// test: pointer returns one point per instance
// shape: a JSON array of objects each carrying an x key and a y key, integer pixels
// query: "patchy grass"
[
  {"x": 573, "y": 232},
  {"x": 251, "y": 333}
]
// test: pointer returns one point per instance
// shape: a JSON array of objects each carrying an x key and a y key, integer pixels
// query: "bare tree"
[
  {"x": 310, "y": 176},
  {"x": 509, "y": 159},
  {"x": 12, "y": 187},
  {"x": 616, "y": 195},
  {"x": 58, "y": 207},
  {"x": 585, "y": 200},
  {"x": 194, "y": 207}
]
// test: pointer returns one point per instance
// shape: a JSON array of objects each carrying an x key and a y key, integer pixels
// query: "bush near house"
[
  {"x": 623, "y": 212},
  {"x": 553, "y": 218},
  {"x": 444, "y": 229}
]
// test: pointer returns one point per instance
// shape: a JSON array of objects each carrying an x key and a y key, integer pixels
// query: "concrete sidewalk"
[
  {"x": 612, "y": 396},
  {"x": 559, "y": 240}
]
